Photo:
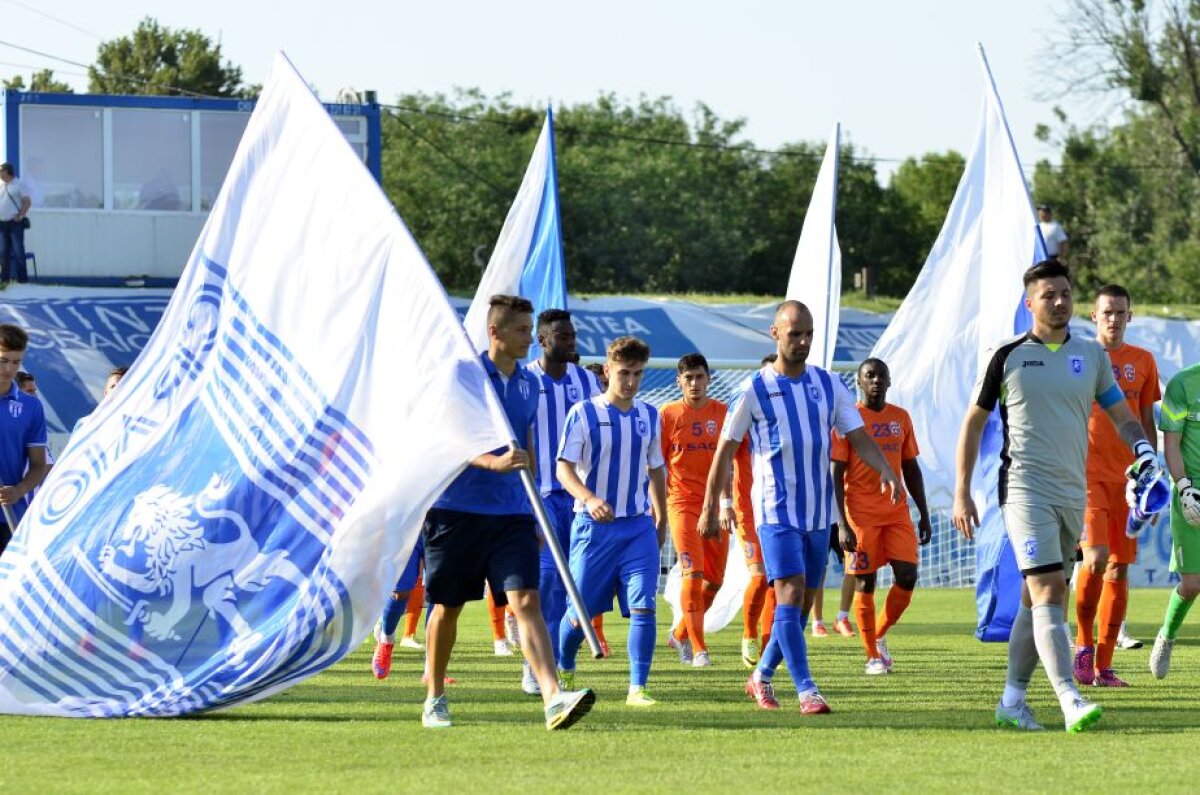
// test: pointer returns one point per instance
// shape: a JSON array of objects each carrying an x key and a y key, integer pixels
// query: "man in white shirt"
[
  {"x": 14, "y": 206},
  {"x": 1052, "y": 233}
]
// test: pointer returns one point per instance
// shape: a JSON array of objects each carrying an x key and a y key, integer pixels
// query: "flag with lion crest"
[{"x": 232, "y": 518}]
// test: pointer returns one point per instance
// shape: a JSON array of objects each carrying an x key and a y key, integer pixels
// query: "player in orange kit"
[
  {"x": 691, "y": 428},
  {"x": 1102, "y": 587},
  {"x": 874, "y": 531},
  {"x": 758, "y": 602}
]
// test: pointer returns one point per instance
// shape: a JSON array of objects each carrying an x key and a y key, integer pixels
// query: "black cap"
[{"x": 1045, "y": 207}]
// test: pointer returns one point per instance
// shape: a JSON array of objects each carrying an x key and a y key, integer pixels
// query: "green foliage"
[
  {"x": 42, "y": 80},
  {"x": 1127, "y": 194},
  {"x": 925, "y": 728},
  {"x": 652, "y": 198},
  {"x": 155, "y": 59}
]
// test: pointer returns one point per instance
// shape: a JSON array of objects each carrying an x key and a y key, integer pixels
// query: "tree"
[
  {"x": 42, "y": 81},
  {"x": 158, "y": 60}
]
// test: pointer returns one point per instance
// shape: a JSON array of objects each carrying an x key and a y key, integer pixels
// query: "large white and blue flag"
[
  {"x": 232, "y": 518},
  {"x": 967, "y": 298},
  {"x": 528, "y": 257}
]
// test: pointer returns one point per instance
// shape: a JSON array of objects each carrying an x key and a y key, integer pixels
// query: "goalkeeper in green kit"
[{"x": 1180, "y": 424}]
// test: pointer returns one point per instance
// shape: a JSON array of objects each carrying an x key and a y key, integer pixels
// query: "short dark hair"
[
  {"x": 1115, "y": 291},
  {"x": 690, "y": 361},
  {"x": 24, "y": 377},
  {"x": 7, "y": 168},
  {"x": 549, "y": 317},
  {"x": 1046, "y": 269},
  {"x": 872, "y": 360},
  {"x": 119, "y": 371},
  {"x": 502, "y": 307},
  {"x": 596, "y": 369},
  {"x": 13, "y": 338},
  {"x": 628, "y": 349},
  {"x": 769, "y": 359}
]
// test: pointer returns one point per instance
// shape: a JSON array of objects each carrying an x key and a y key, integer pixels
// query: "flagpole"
[
  {"x": 560, "y": 559},
  {"x": 10, "y": 519}
]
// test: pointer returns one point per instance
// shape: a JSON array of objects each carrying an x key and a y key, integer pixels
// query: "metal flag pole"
[
  {"x": 10, "y": 519},
  {"x": 560, "y": 558}
]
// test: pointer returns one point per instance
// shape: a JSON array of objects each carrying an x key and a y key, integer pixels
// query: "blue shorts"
[
  {"x": 412, "y": 569},
  {"x": 624, "y": 553},
  {"x": 789, "y": 551}
]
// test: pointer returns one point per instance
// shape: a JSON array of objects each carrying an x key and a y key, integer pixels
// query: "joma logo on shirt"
[
  {"x": 774, "y": 395},
  {"x": 1033, "y": 363}
]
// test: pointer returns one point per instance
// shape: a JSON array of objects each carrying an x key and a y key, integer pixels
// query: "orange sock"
[
  {"x": 864, "y": 616},
  {"x": 496, "y": 615},
  {"x": 693, "y": 611},
  {"x": 893, "y": 608},
  {"x": 412, "y": 615},
  {"x": 1114, "y": 597},
  {"x": 710, "y": 594},
  {"x": 1087, "y": 594},
  {"x": 752, "y": 605},
  {"x": 598, "y": 625},
  {"x": 768, "y": 615}
]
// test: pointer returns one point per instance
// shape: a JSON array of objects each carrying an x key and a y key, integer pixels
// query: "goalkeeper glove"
[
  {"x": 1145, "y": 464},
  {"x": 1189, "y": 499}
]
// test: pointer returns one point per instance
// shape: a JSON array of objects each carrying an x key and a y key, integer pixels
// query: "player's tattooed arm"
[{"x": 718, "y": 483}]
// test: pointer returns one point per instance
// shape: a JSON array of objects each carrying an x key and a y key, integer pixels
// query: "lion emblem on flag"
[{"x": 164, "y": 532}]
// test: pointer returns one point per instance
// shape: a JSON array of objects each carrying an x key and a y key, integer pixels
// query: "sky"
[{"x": 902, "y": 78}]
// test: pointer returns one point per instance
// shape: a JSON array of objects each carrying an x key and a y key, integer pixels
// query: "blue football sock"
[
  {"x": 789, "y": 632},
  {"x": 641, "y": 647},
  {"x": 554, "y": 606},
  {"x": 393, "y": 613},
  {"x": 570, "y": 638},
  {"x": 771, "y": 656}
]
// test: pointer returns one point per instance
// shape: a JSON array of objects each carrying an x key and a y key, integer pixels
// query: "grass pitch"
[{"x": 925, "y": 728}]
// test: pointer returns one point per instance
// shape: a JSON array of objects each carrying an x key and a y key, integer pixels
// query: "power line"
[
  {"x": 112, "y": 75},
  {"x": 53, "y": 18}
]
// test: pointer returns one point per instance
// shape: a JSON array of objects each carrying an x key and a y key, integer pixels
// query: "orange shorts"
[
  {"x": 1104, "y": 522},
  {"x": 879, "y": 545},
  {"x": 706, "y": 555}
]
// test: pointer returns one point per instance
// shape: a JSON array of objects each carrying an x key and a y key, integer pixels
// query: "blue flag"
[{"x": 528, "y": 257}]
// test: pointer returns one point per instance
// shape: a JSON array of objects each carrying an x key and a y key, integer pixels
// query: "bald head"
[
  {"x": 793, "y": 335},
  {"x": 790, "y": 312}
]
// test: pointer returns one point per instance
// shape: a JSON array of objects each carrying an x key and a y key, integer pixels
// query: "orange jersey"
[
  {"x": 689, "y": 440},
  {"x": 892, "y": 430},
  {"x": 1137, "y": 376}
]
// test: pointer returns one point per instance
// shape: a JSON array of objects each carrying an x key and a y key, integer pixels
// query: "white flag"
[
  {"x": 816, "y": 278},
  {"x": 967, "y": 298},
  {"x": 231, "y": 520}
]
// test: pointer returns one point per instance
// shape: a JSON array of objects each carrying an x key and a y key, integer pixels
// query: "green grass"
[{"x": 926, "y": 728}]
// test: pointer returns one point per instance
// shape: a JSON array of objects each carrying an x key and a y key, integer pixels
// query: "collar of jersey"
[
  {"x": 1029, "y": 335},
  {"x": 494, "y": 371},
  {"x": 11, "y": 394},
  {"x": 622, "y": 412},
  {"x": 788, "y": 379}
]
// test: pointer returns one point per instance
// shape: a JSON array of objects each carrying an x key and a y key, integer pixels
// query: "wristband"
[
  {"x": 1142, "y": 447},
  {"x": 726, "y": 502}
]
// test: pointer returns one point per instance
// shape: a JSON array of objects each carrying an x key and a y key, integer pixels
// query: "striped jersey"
[
  {"x": 613, "y": 451},
  {"x": 789, "y": 421},
  {"x": 555, "y": 399}
]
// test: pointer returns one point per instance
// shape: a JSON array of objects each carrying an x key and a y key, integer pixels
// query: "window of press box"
[
  {"x": 152, "y": 162},
  {"x": 62, "y": 156}
]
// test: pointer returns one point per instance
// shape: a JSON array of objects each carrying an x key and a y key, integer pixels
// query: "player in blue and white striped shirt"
[
  {"x": 561, "y": 384},
  {"x": 611, "y": 462},
  {"x": 789, "y": 409}
]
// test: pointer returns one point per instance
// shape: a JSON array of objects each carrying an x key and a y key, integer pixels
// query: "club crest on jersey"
[
  {"x": 15, "y": 408},
  {"x": 894, "y": 427},
  {"x": 1031, "y": 548},
  {"x": 711, "y": 427},
  {"x": 573, "y": 393},
  {"x": 641, "y": 427},
  {"x": 523, "y": 385},
  {"x": 1129, "y": 373},
  {"x": 1077, "y": 365},
  {"x": 814, "y": 394}
]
